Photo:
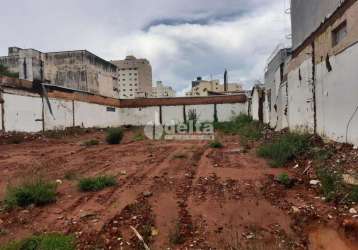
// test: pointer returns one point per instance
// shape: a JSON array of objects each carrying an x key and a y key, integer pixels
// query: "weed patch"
[
  {"x": 286, "y": 148},
  {"x": 175, "y": 236},
  {"x": 92, "y": 142},
  {"x": 96, "y": 183},
  {"x": 285, "y": 180},
  {"x": 37, "y": 192},
  {"x": 330, "y": 183},
  {"x": 139, "y": 137},
  {"x": 353, "y": 195},
  {"x": 43, "y": 242},
  {"x": 114, "y": 135},
  {"x": 216, "y": 144},
  {"x": 242, "y": 125}
]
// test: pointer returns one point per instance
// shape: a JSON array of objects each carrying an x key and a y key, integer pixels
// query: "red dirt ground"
[{"x": 178, "y": 195}]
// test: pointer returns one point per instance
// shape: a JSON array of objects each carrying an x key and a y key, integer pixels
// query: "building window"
[
  {"x": 111, "y": 109},
  {"x": 339, "y": 33}
]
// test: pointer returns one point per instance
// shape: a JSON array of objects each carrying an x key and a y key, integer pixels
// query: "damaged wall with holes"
[
  {"x": 80, "y": 70},
  {"x": 322, "y": 78}
]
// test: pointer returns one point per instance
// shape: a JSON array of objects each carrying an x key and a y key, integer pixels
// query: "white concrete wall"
[
  {"x": 300, "y": 98},
  {"x": 227, "y": 111},
  {"x": 22, "y": 113},
  {"x": 62, "y": 117},
  {"x": 255, "y": 105},
  {"x": 282, "y": 104},
  {"x": 337, "y": 97},
  {"x": 90, "y": 115},
  {"x": 139, "y": 116},
  {"x": 1, "y": 127},
  {"x": 205, "y": 112},
  {"x": 172, "y": 114}
]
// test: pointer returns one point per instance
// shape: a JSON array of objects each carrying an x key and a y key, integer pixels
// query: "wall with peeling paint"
[
  {"x": 337, "y": 97},
  {"x": 300, "y": 98},
  {"x": 61, "y": 117}
]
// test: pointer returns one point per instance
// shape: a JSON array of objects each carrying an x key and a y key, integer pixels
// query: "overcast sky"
[{"x": 181, "y": 38}]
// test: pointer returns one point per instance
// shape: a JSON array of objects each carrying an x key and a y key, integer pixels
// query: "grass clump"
[
  {"x": 331, "y": 183},
  {"x": 37, "y": 192},
  {"x": 92, "y": 142},
  {"x": 284, "y": 179},
  {"x": 96, "y": 183},
  {"x": 353, "y": 195},
  {"x": 139, "y": 137},
  {"x": 216, "y": 144},
  {"x": 43, "y": 242},
  {"x": 175, "y": 236},
  {"x": 242, "y": 125},
  {"x": 286, "y": 148},
  {"x": 114, "y": 135}
]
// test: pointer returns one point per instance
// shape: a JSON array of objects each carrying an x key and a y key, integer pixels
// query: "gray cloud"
[{"x": 181, "y": 38}]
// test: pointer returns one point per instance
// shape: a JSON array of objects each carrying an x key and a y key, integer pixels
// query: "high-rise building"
[
  {"x": 160, "y": 91},
  {"x": 134, "y": 77}
]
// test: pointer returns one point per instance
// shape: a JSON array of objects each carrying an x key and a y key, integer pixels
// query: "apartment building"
[
  {"x": 202, "y": 87},
  {"x": 134, "y": 77},
  {"x": 79, "y": 70},
  {"x": 160, "y": 91}
]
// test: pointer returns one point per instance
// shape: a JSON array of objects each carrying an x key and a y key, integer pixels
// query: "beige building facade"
[
  {"x": 202, "y": 87},
  {"x": 160, "y": 91},
  {"x": 79, "y": 70},
  {"x": 134, "y": 77}
]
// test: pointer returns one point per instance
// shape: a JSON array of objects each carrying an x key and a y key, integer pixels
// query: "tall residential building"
[
  {"x": 160, "y": 91},
  {"x": 134, "y": 77},
  {"x": 202, "y": 87},
  {"x": 79, "y": 70}
]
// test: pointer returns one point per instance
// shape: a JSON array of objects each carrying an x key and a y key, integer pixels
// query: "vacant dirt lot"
[{"x": 178, "y": 195}]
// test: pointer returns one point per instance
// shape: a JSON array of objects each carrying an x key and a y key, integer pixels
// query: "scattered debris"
[
  {"x": 353, "y": 211},
  {"x": 350, "y": 180},
  {"x": 314, "y": 182}
]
